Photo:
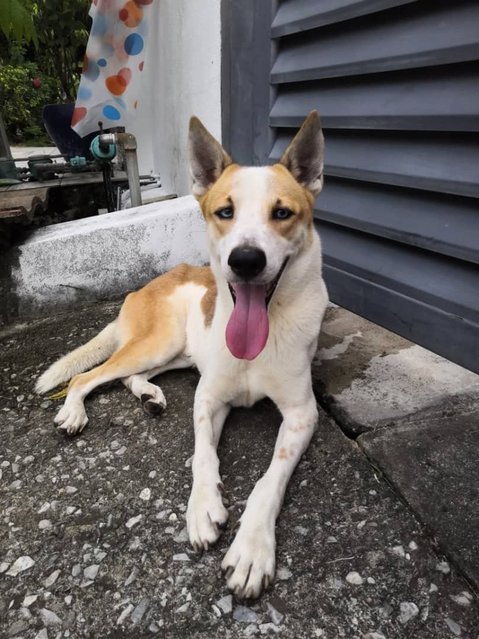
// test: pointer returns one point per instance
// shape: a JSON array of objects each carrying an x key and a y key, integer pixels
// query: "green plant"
[
  {"x": 21, "y": 103},
  {"x": 61, "y": 29},
  {"x": 16, "y": 20},
  {"x": 59, "y": 32}
]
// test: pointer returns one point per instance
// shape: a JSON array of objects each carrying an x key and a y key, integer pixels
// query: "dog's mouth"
[{"x": 248, "y": 327}]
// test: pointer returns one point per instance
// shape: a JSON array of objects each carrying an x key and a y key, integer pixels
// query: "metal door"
[{"x": 397, "y": 86}]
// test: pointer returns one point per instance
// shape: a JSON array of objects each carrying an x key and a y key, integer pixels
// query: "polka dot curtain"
[{"x": 111, "y": 80}]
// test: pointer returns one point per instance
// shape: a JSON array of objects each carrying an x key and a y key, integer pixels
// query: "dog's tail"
[{"x": 84, "y": 357}]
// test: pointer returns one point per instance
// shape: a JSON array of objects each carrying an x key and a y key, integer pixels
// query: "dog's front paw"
[
  {"x": 206, "y": 515},
  {"x": 71, "y": 418},
  {"x": 249, "y": 564}
]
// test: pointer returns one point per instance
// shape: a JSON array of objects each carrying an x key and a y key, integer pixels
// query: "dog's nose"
[{"x": 247, "y": 261}]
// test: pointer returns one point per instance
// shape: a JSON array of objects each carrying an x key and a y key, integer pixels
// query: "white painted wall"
[{"x": 183, "y": 77}]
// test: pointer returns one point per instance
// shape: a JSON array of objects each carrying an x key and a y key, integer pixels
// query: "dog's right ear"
[{"x": 208, "y": 159}]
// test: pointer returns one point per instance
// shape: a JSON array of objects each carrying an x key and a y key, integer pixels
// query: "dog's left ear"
[
  {"x": 304, "y": 156},
  {"x": 208, "y": 159}
]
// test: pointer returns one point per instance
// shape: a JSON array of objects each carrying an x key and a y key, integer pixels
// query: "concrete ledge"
[{"x": 105, "y": 256}]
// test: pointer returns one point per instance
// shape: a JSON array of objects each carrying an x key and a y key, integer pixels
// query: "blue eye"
[
  {"x": 225, "y": 214},
  {"x": 281, "y": 214}
]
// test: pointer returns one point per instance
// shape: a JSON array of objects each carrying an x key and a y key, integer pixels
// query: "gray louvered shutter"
[{"x": 397, "y": 86}]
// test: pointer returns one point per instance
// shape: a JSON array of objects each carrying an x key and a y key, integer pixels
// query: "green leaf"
[{"x": 16, "y": 20}]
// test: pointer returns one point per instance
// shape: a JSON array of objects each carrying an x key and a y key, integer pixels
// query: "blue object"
[
  {"x": 102, "y": 152},
  {"x": 78, "y": 162}
]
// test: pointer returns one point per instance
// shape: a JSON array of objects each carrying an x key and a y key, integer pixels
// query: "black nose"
[{"x": 247, "y": 261}]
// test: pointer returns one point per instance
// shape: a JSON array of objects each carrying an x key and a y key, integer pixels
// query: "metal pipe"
[{"x": 127, "y": 142}]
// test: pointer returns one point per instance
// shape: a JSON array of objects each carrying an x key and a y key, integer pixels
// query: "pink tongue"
[{"x": 248, "y": 328}]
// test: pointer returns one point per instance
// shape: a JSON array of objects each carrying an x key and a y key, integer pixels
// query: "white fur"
[{"x": 82, "y": 358}]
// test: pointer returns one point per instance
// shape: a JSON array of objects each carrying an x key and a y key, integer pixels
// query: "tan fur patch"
[
  {"x": 148, "y": 310},
  {"x": 291, "y": 195},
  {"x": 282, "y": 453},
  {"x": 218, "y": 197}
]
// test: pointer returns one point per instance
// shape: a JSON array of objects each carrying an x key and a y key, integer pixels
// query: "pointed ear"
[
  {"x": 208, "y": 159},
  {"x": 304, "y": 156}
]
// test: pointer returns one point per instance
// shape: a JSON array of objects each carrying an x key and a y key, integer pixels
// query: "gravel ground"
[{"x": 92, "y": 529}]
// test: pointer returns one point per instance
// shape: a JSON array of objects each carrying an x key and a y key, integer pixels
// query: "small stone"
[
  {"x": 76, "y": 570},
  {"x": 182, "y": 556},
  {"x": 268, "y": 628},
  {"x": 145, "y": 494},
  {"x": 139, "y": 611},
  {"x": 21, "y": 564},
  {"x": 90, "y": 572},
  {"x": 43, "y": 524},
  {"x": 173, "y": 517},
  {"x": 331, "y": 540},
  {"x": 461, "y": 599},
  {"x": 154, "y": 628},
  {"x": 50, "y": 580},
  {"x": 132, "y": 576},
  {"x": 443, "y": 567},
  {"x": 68, "y": 600},
  {"x": 371, "y": 580},
  {"x": 49, "y": 618},
  {"x": 99, "y": 555},
  {"x": 183, "y": 608},
  {"x": 398, "y": 550},
  {"x": 28, "y": 600},
  {"x": 16, "y": 485},
  {"x": 152, "y": 474},
  {"x": 283, "y": 574},
  {"x": 29, "y": 459},
  {"x": 44, "y": 507},
  {"x": 454, "y": 627},
  {"x": 413, "y": 545},
  {"x": 250, "y": 630},
  {"x": 216, "y": 610},
  {"x": 354, "y": 578},
  {"x": 275, "y": 615},
  {"x": 133, "y": 521},
  {"x": 4, "y": 567},
  {"x": 433, "y": 588},
  {"x": 225, "y": 604},
  {"x": 245, "y": 615},
  {"x": 409, "y": 610},
  {"x": 71, "y": 490},
  {"x": 121, "y": 451},
  {"x": 124, "y": 614},
  {"x": 42, "y": 634},
  {"x": 374, "y": 635},
  {"x": 182, "y": 536},
  {"x": 15, "y": 468}
]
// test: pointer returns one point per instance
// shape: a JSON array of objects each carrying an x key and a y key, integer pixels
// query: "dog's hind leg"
[
  {"x": 135, "y": 357},
  {"x": 151, "y": 395}
]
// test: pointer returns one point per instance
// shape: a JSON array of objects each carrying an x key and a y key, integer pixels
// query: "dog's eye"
[
  {"x": 225, "y": 214},
  {"x": 281, "y": 214}
]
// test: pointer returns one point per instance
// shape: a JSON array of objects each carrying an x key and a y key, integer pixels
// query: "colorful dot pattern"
[{"x": 110, "y": 85}]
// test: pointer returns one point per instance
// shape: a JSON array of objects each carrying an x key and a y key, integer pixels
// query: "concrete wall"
[
  {"x": 182, "y": 74},
  {"x": 100, "y": 257}
]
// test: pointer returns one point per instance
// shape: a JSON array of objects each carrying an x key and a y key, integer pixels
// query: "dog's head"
[{"x": 258, "y": 218}]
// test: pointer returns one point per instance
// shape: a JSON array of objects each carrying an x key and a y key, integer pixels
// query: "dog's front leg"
[
  {"x": 250, "y": 561},
  {"x": 206, "y": 514}
]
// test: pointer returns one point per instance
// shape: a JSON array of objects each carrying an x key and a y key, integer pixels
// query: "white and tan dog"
[{"x": 249, "y": 323}]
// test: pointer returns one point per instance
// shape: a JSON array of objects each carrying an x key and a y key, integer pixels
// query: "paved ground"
[{"x": 92, "y": 532}]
